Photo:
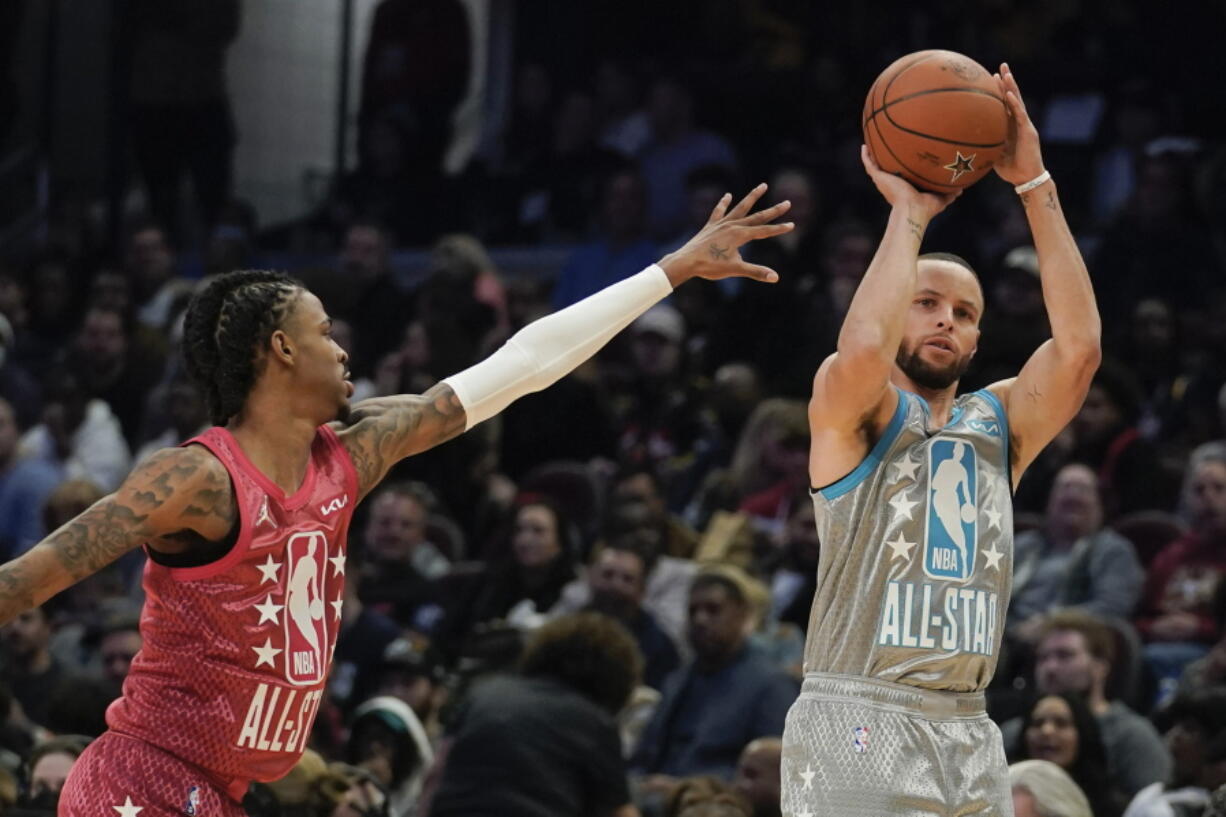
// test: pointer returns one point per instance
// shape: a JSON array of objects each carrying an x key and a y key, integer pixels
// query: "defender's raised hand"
[{"x": 714, "y": 253}]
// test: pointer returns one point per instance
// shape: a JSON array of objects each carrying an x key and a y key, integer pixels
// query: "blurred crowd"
[{"x": 663, "y": 485}]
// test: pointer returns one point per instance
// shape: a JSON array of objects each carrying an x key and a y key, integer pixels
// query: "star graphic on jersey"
[
  {"x": 906, "y": 468},
  {"x": 901, "y": 547},
  {"x": 127, "y": 809},
  {"x": 338, "y": 563},
  {"x": 960, "y": 165},
  {"x": 994, "y": 556},
  {"x": 266, "y": 653},
  {"x": 807, "y": 774},
  {"x": 268, "y": 570},
  {"x": 268, "y": 610},
  {"x": 337, "y": 603},
  {"x": 902, "y": 505},
  {"x": 264, "y": 516},
  {"x": 993, "y": 516}
]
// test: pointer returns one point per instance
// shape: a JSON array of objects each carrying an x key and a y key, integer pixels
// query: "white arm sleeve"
[{"x": 545, "y": 350}]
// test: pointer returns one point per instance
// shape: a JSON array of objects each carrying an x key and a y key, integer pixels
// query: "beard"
[{"x": 925, "y": 374}]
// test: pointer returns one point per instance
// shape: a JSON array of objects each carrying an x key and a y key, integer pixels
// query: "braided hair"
[{"x": 225, "y": 325}]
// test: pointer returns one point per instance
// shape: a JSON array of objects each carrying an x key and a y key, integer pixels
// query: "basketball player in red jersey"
[{"x": 245, "y": 526}]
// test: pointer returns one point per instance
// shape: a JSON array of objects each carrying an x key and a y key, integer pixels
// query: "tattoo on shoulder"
[
  {"x": 718, "y": 252},
  {"x": 413, "y": 424}
]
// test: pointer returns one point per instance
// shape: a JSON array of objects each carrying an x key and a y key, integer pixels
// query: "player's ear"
[{"x": 281, "y": 346}]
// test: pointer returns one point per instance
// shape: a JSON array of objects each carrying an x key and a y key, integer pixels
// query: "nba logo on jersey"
[
  {"x": 305, "y": 631},
  {"x": 951, "y": 522},
  {"x": 192, "y": 807},
  {"x": 859, "y": 739}
]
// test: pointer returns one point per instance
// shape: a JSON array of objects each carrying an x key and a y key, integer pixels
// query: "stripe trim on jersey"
[
  {"x": 870, "y": 463},
  {"x": 1004, "y": 424}
]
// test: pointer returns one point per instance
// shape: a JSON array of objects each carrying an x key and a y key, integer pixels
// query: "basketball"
[{"x": 937, "y": 119}]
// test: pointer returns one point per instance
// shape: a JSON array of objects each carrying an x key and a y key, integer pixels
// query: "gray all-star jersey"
[{"x": 917, "y": 552}]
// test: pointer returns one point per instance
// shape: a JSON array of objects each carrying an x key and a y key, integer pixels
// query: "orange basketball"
[{"x": 937, "y": 119}]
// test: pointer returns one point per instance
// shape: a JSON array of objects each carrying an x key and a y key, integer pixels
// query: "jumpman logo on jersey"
[{"x": 264, "y": 515}]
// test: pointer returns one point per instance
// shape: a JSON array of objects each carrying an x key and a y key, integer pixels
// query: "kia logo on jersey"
[
  {"x": 306, "y": 634},
  {"x": 335, "y": 505}
]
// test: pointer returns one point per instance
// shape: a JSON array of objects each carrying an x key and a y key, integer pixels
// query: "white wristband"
[
  {"x": 547, "y": 349},
  {"x": 1033, "y": 183}
]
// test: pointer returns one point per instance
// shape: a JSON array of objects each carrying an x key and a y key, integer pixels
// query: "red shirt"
[
  {"x": 236, "y": 652},
  {"x": 1182, "y": 579}
]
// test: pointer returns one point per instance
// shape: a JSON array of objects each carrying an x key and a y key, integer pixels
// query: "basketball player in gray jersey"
[{"x": 913, "y": 495}]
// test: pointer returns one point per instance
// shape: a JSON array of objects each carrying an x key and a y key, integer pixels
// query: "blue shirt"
[
  {"x": 599, "y": 264},
  {"x": 24, "y": 489}
]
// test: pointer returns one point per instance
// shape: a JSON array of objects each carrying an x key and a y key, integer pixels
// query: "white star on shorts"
[
  {"x": 807, "y": 774},
  {"x": 127, "y": 809}
]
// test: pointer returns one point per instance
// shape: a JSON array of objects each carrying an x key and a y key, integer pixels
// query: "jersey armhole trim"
[
  {"x": 869, "y": 463},
  {"x": 241, "y": 544},
  {"x": 1003, "y": 417}
]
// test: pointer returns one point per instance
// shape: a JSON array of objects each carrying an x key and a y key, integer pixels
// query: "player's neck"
[
  {"x": 940, "y": 401},
  {"x": 278, "y": 445}
]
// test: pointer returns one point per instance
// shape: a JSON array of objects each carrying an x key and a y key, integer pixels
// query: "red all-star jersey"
[{"x": 236, "y": 652}]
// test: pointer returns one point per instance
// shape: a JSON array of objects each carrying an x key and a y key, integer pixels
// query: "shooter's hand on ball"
[
  {"x": 899, "y": 192},
  {"x": 1022, "y": 160}
]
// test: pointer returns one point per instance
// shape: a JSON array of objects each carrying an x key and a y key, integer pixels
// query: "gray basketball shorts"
[{"x": 857, "y": 747}]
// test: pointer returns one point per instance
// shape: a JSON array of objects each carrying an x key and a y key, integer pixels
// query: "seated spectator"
[
  {"x": 24, "y": 487},
  {"x": 149, "y": 262},
  {"x": 641, "y": 481},
  {"x": 617, "y": 579},
  {"x": 1217, "y": 803},
  {"x": 388, "y": 741},
  {"x": 78, "y": 435},
  {"x": 399, "y": 564},
  {"x": 1074, "y": 653},
  {"x": 1043, "y": 789},
  {"x": 758, "y": 775},
  {"x": 1176, "y": 617},
  {"x": 364, "y": 635},
  {"x": 726, "y": 697},
  {"x": 295, "y": 792},
  {"x": 119, "y": 643},
  {"x": 49, "y": 764},
  {"x": 545, "y": 741},
  {"x": 29, "y": 669},
  {"x": 186, "y": 413},
  {"x": 1209, "y": 671},
  {"x": 1061, "y": 729},
  {"x": 1072, "y": 561},
  {"x": 620, "y": 246},
  {"x": 412, "y": 672},
  {"x": 793, "y": 582},
  {"x": 525, "y": 582},
  {"x": 1196, "y": 735}
]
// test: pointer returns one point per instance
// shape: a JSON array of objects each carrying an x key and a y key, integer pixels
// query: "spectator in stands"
[
  {"x": 388, "y": 741},
  {"x": 1074, "y": 654},
  {"x": 617, "y": 579},
  {"x": 1019, "y": 321},
  {"x": 545, "y": 741},
  {"x": 399, "y": 563},
  {"x": 411, "y": 671},
  {"x": 677, "y": 147},
  {"x": 1176, "y": 618},
  {"x": 619, "y": 247},
  {"x": 1209, "y": 671},
  {"x": 1072, "y": 561},
  {"x": 29, "y": 669},
  {"x": 116, "y": 370},
  {"x": 705, "y": 796},
  {"x": 364, "y": 292},
  {"x": 342, "y": 790},
  {"x": 527, "y": 579},
  {"x": 624, "y": 126},
  {"x": 1060, "y": 728},
  {"x": 1043, "y": 789},
  {"x": 79, "y": 436},
  {"x": 49, "y": 764},
  {"x": 364, "y": 635},
  {"x": 119, "y": 643},
  {"x": 641, "y": 481},
  {"x": 24, "y": 487},
  {"x": 17, "y": 385},
  {"x": 716, "y": 704},
  {"x": 793, "y": 573},
  {"x": 158, "y": 289},
  {"x": 184, "y": 408},
  {"x": 1106, "y": 438},
  {"x": 757, "y": 775},
  {"x": 1196, "y": 735}
]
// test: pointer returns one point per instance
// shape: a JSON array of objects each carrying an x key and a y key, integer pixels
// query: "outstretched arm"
[
  {"x": 851, "y": 389},
  {"x": 384, "y": 430},
  {"x": 1051, "y": 387},
  {"x": 174, "y": 490}
]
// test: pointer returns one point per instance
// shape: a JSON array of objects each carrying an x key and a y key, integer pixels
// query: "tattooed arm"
[
  {"x": 384, "y": 430},
  {"x": 1051, "y": 387},
  {"x": 173, "y": 491}
]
